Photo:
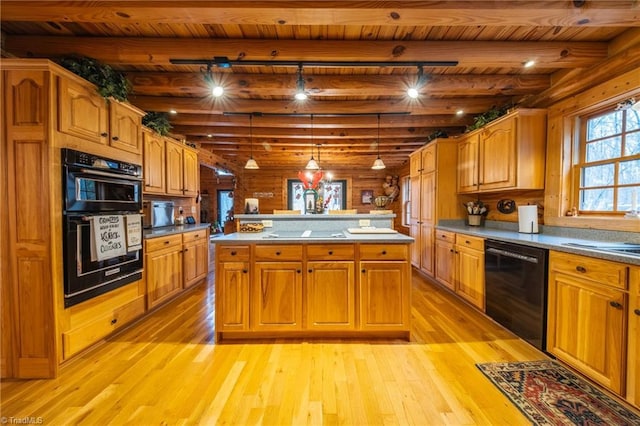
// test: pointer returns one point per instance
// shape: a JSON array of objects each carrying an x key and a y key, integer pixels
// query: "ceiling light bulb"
[
  {"x": 218, "y": 91},
  {"x": 529, "y": 63},
  {"x": 301, "y": 96},
  {"x": 459, "y": 112},
  {"x": 412, "y": 92},
  {"x": 173, "y": 111}
]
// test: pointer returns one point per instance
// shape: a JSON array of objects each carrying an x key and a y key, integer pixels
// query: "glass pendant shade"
[
  {"x": 378, "y": 164},
  {"x": 251, "y": 164},
  {"x": 312, "y": 164}
]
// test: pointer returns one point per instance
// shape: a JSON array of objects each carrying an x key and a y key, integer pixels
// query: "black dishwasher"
[{"x": 516, "y": 289}]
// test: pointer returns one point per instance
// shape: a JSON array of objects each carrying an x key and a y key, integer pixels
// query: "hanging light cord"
[
  {"x": 251, "y": 136},
  {"x": 378, "y": 136}
]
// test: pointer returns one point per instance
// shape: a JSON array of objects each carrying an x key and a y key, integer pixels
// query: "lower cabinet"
[
  {"x": 459, "y": 265},
  {"x": 312, "y": 288},
  {"x": 163, "y": 268},
  {"x": 633, "y": 345},
  {"x": 586, "y": 327},
  {"x": 196, "y": 256}
]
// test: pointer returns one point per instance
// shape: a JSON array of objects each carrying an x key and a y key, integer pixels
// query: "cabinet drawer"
[
  {"x": 445, "y": 236},
  {"x": 233, "y": 253},
  {"x": 384, "y": 252},
  {"x": 329, "y": 252},
  {"x": 601, "y": 271},
  {"x": 278, "y": 252},
  {"x": 470, "y": 242},
  {"x": 188, "y": 237},
  {"x": 160, "y": 243}
]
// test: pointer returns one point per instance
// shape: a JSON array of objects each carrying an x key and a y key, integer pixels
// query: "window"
[
  {"x": 406, "y": 200},
  {"x": 334, "y": 195},
  {"x": 608, "y": 168}
]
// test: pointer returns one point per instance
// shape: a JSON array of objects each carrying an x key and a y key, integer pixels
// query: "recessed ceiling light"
[
  {"x": 173, "y": 111},
  {"x": 459, "y": 112},
  {"x": 217, "y": 91},
  {"x": 412, "y": 92},
  {"x": 529, "y": 63},
  {"x": 209, "y": 135}
]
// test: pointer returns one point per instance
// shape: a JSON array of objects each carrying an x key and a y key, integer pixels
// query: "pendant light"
[
  {"x": 312, "y": 164},
  {"x": 251, "y": 163},
  {"x": 378, "y": 164}
]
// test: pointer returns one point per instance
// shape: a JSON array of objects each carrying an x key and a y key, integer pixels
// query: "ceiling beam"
[
  {"x": 362, "y": 13},
  {"x": 210, "y": 105},
  {"x": 159, "y": 51},
  {"x": 180, "y": 84}
]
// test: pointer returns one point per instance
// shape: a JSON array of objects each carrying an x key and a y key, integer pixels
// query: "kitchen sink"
[{"x": 631, "y": 249}]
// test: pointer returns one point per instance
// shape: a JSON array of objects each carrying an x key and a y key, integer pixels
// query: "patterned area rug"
[{"x": 549, "y": 394}]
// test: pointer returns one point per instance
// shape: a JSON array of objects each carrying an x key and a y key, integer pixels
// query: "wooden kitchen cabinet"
[
  {"x": 445, "y": 254},
  {"x": 181, "y": 169},
  {"x": 85, "y": 114},
  {"x": 633, "y": 344},
  {"x": 330, "y": 287},
  {"x": 506, "y": 154},
  {"x": 470, "y": 269},
  {"x": 163, "y": 268},
  {"x": 586, "y": 325},
  {"x": 154, "y": 169},
  {"x": 385, "y": 285},
  {"x": 233, "y": 274},
  {"x": 195, "y": 246},
  {"x": 431, "y": 198}
]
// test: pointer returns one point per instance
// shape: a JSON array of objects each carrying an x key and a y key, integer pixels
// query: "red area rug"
[{"x": 549, "y": 394}]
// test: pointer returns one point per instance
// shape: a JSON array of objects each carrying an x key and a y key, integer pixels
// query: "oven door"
[
  {"x": 99, "y": 191},
  {"x": 85, "y": 278}
]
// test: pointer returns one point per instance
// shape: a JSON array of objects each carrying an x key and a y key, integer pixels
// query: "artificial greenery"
[
  {"x": 158, "y": 121},
  {"x": 487, "y": 117},
  {"x": 436, "y": 134},
  {"x": 111, "y": 83}
]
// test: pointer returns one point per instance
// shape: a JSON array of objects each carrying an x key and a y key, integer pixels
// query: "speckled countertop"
[
  {"x": 339, "y": 237},
  {"x": 170, "y": 230},
  {"x": 553, "y": 238}
]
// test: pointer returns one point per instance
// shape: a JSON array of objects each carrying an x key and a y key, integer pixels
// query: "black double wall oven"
[{"x": 97, "y": 187}]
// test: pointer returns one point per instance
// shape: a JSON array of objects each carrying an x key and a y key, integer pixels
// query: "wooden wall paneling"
[
  {"x": 6, "y": 312},
  {"x": 521, "y": 198}
]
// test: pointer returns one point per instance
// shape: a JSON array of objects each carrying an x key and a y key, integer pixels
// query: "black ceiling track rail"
[{"x": 224, "y": 62}]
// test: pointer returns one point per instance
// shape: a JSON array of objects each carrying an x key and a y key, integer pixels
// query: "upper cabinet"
[
  {"x": 506, "y": 154},
  {"x": 85, "y": 114},
  {"x": 170, "y": 168}
]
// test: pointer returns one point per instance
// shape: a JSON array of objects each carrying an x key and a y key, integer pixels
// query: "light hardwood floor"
[{"x": 166, "y": 369}]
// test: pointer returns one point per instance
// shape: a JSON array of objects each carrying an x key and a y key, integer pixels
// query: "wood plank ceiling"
[{"x": 489, "y": 40}]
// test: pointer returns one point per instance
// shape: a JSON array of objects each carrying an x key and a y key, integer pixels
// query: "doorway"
[{"x": 225, "y": 205}]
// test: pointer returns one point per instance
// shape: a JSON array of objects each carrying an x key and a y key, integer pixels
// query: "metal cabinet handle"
[
  {"x": 104, "y": 134},
  {"x": 581, "y": 269},
  {"x": 636, "y": 311},
  {"x": 115, "y": 138},
  {"x": 615, "y": 304}
]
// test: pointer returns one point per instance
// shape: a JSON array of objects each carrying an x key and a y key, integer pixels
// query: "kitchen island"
[{"x": 311, "y": 277}]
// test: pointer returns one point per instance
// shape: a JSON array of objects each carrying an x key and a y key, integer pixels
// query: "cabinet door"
[
  {"x": 468, "y": 164},
  {"x": 384, "y": 295},
  {"x": 82, "y": 112},
  {"x": 426, "y": 249},
  {"x": 415, "y": 164},
  {"x": 414, "y": 231},
  {"x": 190, "y": 169},
  {"x": 164, "y": 275},
  {"x": 497, "y": 155},
  {"x": 232, "y": 296},
  {"x": 428, "y": 198},
  {"x": 276, "y": 296},
  {"x": 174, "y": 167},
  {"x": 429, "y": 159},
  {"x": 586, "y": 324},
  {"x": 330, "y": 288},
  {"x": 154, "y": 163},
  {"x": 633, "y": 351},
  {"x": 414, "y": 226},
  {"x": 445, "y": 263},
  {"x": 196, "y": 261},
  {"x": 470, "y": 275},
  {"x": 125, "y": 128}
]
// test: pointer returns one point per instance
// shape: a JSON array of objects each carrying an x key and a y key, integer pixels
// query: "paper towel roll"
[{"x": 528, "y": 219}]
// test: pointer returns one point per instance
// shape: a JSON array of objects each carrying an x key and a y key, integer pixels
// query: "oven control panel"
[{"x": 83, "y": 159}]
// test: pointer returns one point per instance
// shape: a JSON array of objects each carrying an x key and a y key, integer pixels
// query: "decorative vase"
[{"x": 475, "y": 219}]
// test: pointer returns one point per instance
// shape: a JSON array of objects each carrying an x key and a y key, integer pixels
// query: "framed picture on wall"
[{"x": 367, "y": 196}]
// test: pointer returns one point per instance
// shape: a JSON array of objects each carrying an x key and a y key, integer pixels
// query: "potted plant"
[
  {"x": 158, "y": 121},
  {"x": 111, "y": 83},
  {"x": 475, "y": 211}
]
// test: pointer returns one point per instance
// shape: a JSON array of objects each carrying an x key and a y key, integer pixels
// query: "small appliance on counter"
[
  {"x": 528, "y": 219},
  {"x": 158, "y": 213}
]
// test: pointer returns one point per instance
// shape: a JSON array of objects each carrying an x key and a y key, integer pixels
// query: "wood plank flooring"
[{"x": 166, "y": 369}]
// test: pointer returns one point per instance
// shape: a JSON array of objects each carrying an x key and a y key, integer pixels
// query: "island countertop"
[{"x": 334, "y": 237}]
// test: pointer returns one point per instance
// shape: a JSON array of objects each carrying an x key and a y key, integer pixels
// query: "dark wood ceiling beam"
[
  {"x": 440, "y": 13},
  {"x": 172, "y": 83},
  {"x": 211, "y": 105},
  {"x": 320, "y": 121},
  {"x": 159, "y": 51}
]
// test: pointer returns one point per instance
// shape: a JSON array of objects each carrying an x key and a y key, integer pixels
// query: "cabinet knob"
[
  {"x": 384, "y": 252},
  {"x": 115, "y": 138},
  {"x": 636, "y": 311},
  {"x": 299, "y": 271},
  {"x": 233, "y": 253},
  {"x": 186, "y": 250},
  {"x": 467, "y": 242},
  {"x": 615, "y": 304},
  {"x": 363, "y": 271},
  {"x": 244, "y": 271},
  {"x": 277, "y": 253},
  {"x": 451, "y": 250},
  {"x": 167, "y": 242},
  {"x": 104, "y": 134},
  {"x": 310, "y": 270},
  {"x": 114, "y": 321},
  {"x": 330, "y": 252},
  {"x": 581, "y": 269}
]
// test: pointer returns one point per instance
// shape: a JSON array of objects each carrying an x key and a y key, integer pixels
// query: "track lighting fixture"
[
  {"x": 312, "y": 164},
  {"x": 251, "y": 163},
  {"x": 414, "y": 91},
  {"x": 216, "y": 89},
  {"x": 378, "y": 164},
  {"x": 301, "y": 95}
]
